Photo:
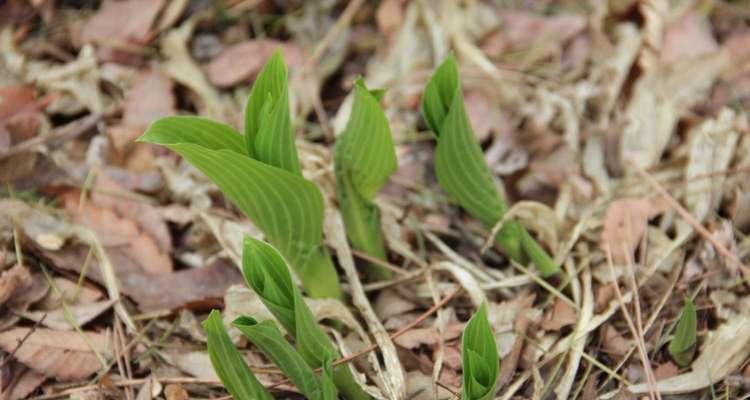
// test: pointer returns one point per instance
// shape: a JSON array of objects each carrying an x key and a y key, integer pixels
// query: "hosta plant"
[
  {"x": 481, "y": 363},
  {"x": 267, "y": 274},
  {"x": 682, "y": 346},
  {"x": 462, "y": 171},
  {"x": 260, "y": 173},
  {"x": 364, "y": 158}
]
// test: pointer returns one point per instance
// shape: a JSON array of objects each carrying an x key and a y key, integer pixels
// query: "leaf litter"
[{"x": 582, "y": 115}]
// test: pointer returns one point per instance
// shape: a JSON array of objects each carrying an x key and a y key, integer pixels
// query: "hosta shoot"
[
  {"x": 364, "y": 159},
  {"x": 481, "y": 363},
  {"x": 682, "y": 346},
  {"x": 260, "y": 174},
  {"x": 462, "y": 171},
  {"x": 267, "y": 273}
]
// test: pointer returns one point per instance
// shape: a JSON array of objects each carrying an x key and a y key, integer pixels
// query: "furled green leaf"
[
  {"x": 228, "y": 363},
  {"x": 462, "y": 171},
  {"x": 271, "y": 342},
  {"x": 262, "y": 175},
  {"x": 268, "y": 127},
  {"x": 481, "y": 363},
  {"x": 364, "y": 159},
  {"x": 267, "y": 273},
  {"x": 682, "y": 346},
  {"x": 327, "y": 385}
]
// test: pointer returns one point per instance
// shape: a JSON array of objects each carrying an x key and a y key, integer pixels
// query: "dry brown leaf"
[
  {"x": 26, "y": 384},
  {"x": 64, "y": 355},
  {"x": 625, "y": 223},
  {"x": 14, "y": 99},
  {"x": 175, "y": 391},
  {"x": 428, "y": 336},
  {"x": 195, "y": 363},
  {"x": 71, "y": 292},
  {"x": 150, "y": 99},
  {"x": 133, "y": 226},
  {"x": 80, "y": 314},
  {"x": 121, "y": 22},
  {"x": 689, "y": 36},
  {"x": 666, "y": 370},
  {"x": 561, "y": 315},
  {"x": 613, "y": 342},
  {"x": 520, "y": 30},
  {"x": 242, "y": 62},
  {"x": 12, "y": 280}
]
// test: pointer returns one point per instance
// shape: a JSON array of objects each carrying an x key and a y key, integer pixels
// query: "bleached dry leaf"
[
  {"x": 660, "y": 98},
  {"x": 712, "y": 146},
  {"x": 71, "y": 292},
  {"x": 64, "y": 355},
  {"x": 28, "y": 382},
  {"x": 724, "y": 351},
  {"x": 195, "y": 363},
  {"x": 689, "y": 36},
  {"x": 624, "y": 225},
  {"x": 62, "y": 319},
  {"x": 466, "y": 280}
]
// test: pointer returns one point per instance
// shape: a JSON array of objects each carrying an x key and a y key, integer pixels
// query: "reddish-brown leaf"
[
  {"x": 243, "y": 61},
  {"x": 128, "y": 21},
  {"x": 150, "y": 98},
  {"x": 64, "y": 355},
  {"x": 625, "y": 223}
]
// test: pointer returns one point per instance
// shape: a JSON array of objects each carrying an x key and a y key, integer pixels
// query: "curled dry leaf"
[
  {"x": 14, "y": 279},
  {"x": 242, "y": 62},
  {"x": 64, "y": 355}
]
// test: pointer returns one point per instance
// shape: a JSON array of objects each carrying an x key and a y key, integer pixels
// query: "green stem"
[{"x": 521, "y": 247}]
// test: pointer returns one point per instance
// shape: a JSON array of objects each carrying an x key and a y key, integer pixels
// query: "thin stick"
[
  {"x": 444, "y": 386},
  {"x": 377, "y": 261},
  {"x": 23, "y": 339}
]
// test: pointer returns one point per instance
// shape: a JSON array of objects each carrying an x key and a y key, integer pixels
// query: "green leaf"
[
  {"x": 267, "y": 273},
  {"x": 228, "y": 363},
  {"x": 286, "y": 207},
  {"x": 364, "y": 159},
  {"x": 481, "y": 363},
  {"x": 463, "y": 172},
  {"x": 271, "y": 342},
  {"x": 682, "y": 346},
  {"x": 327, "y": 385},
  {"x": 269, "y": 136}
]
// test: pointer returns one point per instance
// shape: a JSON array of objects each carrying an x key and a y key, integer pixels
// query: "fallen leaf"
[
  {"x": 133, "y": 226},
  {"x": 150, "y": 98},
  {"x": 64, "y": 355},
  {"x": 484, "y": 115},
  {"x": 71, "y": 292},
  {"x": 195, "y": 363},
  {"x": 689, "y": 36},
  {"x": 561, "y": 315},
  {"x": 613, "y": 342},
  {"x": 175, "y": 391},
  {"x": 243, "y": 61},
  {"x": 14, "y": 279},
  {"x": 666, "y": 370},
  {"x": 625, "y": 223},
  {"x": 520, "y": 30},
  {"x": 79, "y": 314},
  {"x": 428, "y": 336},
  {"x": 120, "y": 22},
  {"x": 26, "y": 384},
  {"x": 14, "y": 99}
]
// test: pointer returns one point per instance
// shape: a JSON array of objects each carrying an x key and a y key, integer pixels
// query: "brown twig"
[{"x": 23, "y": 339}]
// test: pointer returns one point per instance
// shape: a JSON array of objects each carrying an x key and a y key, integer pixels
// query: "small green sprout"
[
  {"x": 228, "y": 363},
  {"x": 682, "y": 346},
  {"x": 481, "y": 362},
  {"x": 267, "y": 273},
  {"x": 364, "y": 159},
  {"x": 260, "y": 174},
  {"x": 463, "y": 173}
]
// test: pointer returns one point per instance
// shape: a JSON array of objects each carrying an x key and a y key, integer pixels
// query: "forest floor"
[{"x": 617, "y": 130}]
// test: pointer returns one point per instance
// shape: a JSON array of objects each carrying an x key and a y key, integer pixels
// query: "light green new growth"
[
  {"x": 682, "y": 346},
  {"x": 364, "y": 158},
  {"x": 267, "y": 273},
  {"x": 462, "y": 171},
  {"x": 481, "y": 362},
  {"x": 271, "y": 342},
  {"x": 261, "y": 175},
  {"x": 228, "y": 363}
]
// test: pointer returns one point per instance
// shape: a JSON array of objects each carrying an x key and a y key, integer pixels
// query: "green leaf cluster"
[
  {"x": 682, "y": 346},
  {"x": 364, "y": 159},
  {"x": 267, "y": 273},
  {"x": 481, "y": 363},
  {"x": 462, "y": 171},
  {"x": 260, "y": 173}
]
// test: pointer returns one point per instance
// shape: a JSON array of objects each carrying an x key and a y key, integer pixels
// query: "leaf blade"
[
  {"x": 682, "y": 346},
  {"x": 480, "y": 358},
  {"x": 237, "y": 378}
]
